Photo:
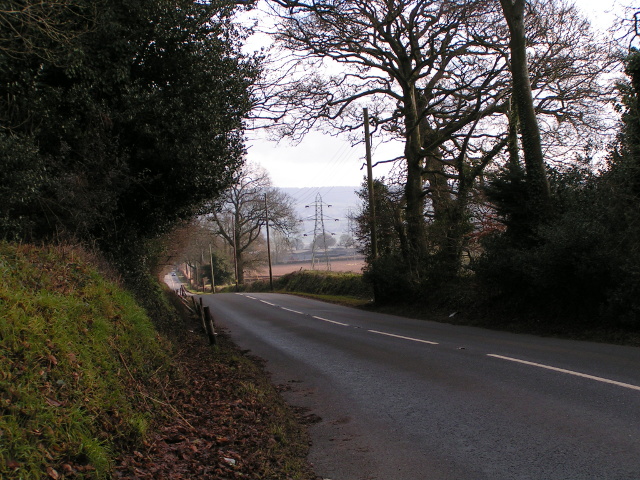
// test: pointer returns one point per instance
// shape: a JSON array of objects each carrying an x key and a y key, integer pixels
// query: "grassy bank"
[
  {"x": 73, "y": 349},
  {"x": 458, "y": 304},
  {"x": 89, "y": 389}
]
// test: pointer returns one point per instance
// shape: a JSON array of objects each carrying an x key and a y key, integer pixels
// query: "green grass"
[{"x": 75, "y": 354}]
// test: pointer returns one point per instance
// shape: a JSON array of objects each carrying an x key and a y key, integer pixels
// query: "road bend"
[{"x": 403, "y": 399}]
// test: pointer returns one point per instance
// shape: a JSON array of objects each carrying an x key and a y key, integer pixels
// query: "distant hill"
[{"x": 336, "y": 204}]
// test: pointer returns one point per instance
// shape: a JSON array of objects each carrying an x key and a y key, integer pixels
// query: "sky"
[{"x": 321, "y": 160}]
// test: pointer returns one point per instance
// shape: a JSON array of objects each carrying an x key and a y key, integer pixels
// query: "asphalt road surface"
[
  {"x": 172, "y": 281},
  {"x": 403, "y": 399}
]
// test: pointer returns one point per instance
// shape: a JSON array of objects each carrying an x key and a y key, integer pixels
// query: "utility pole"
[
  {"x": 266, "y": 215},
  {"x": 372, "y": 209},
  {"x": 235, "y": 256},
  {"x": 202, "y": 268},
  {"x": 213, "y": 277}
]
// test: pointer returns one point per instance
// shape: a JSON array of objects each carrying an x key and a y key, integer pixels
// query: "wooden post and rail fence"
[{"x": 201, "y": 312}]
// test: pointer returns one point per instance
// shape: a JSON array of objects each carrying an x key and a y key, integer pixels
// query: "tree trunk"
[
  {"x": 513, "y": 147},
  {"x": 457, "y": 227},
  {"x": 237, "y": 250},
  {"x": 522, "y": 95},
  {"x": 416, "y": 231},
  {"x": 414, "y": 193},
  {"x": 240, "y": 267},
  {"x": 447, "y": 230}
]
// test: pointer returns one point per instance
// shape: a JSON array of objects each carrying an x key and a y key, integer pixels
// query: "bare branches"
[
  {"x": 239, "y": 213},
  {"x": 41, "y": 27},
  {"x": 434, "y": 74}
]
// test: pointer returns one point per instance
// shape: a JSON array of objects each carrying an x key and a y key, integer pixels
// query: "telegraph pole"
[
  {"x": 213, "y": 277},
  {"x": 266, "y": 215},
  {"x": 372, "y": 209},
  {"x": 235, "y": 251}
]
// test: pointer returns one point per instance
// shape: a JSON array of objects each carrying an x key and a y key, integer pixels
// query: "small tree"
[
  {"x": 347, "y": 241},
  {"x": 240, "y": 213},
  {"x": 323, "y": 241}
]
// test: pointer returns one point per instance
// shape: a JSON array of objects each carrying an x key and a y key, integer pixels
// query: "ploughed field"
[{"x": 349, "y": 265}]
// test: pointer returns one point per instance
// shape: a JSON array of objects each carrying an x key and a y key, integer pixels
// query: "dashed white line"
[
  {"x": 331, "y": 321},
  {"x": 569, "y": 372},
  {"x": 293, "y": 311},
  {"x": 296, "y": 311},
  {"x": 404, "y": 338}
]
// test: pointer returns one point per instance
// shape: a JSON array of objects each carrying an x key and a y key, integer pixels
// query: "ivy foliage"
[{"x": 123, "y": 125}]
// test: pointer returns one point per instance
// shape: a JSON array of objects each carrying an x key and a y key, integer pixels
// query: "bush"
[
  {"x": 390, "y": 277},
  {"x": 325, "y": 283},
  {"x": 577, "y": 266},
  {"x": 315, "y": 282}
]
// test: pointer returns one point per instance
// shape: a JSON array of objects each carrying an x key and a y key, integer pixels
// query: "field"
[{"x": 351, "y": 265}]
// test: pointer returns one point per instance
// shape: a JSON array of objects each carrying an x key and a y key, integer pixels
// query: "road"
[
  {"x": 172, "y": 281},
  {"x": 404, "y": 399}
]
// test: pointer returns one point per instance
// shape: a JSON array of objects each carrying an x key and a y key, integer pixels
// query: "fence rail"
[{"x": 199, "y": 311}]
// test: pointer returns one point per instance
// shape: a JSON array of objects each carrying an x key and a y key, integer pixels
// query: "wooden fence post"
[
  {"x": 202, "y": 316},
  {"x": 195, "y": 304},
  {"x": 209, "y": 326}
]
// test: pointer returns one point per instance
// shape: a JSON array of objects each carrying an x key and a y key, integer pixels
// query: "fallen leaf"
[
  {"x": 53, "y": 403},
  {"x": 52, "y": 473}
]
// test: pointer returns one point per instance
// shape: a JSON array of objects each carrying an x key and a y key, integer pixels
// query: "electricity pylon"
[{"x": 319, "y": 229}]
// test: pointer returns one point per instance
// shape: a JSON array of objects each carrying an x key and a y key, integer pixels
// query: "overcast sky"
[{"x": 322, "y": 160}]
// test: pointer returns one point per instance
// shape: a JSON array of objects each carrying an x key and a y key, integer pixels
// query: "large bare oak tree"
[
  {"x": 436, "y": 75},
  {"x": 240, "y": 214}
]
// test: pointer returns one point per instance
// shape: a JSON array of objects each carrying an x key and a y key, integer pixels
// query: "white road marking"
[
  {"x": 404, "y": 338},
  {"x": 570, "y": 372},
  {"x": 293, "y": 311},
  {"x": 331, "y": 321}
]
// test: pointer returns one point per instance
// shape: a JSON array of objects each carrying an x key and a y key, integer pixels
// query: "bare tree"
[
  {"x": 239, "y": 213},
  {"x": 424, "y": 76},
  {"x": 433, "y": 73},
  {"x": 41, "y": 27},
  {"x": 281, "y": 246}
]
